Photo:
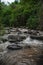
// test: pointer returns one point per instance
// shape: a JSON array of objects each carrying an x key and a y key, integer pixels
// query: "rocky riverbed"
[
  {"x": 31, "y": 52},
  {"x": 27, "y": 56}
]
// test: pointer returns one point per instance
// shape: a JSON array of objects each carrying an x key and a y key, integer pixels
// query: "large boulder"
[
  {"x": 12, "y": 38},
  {"x": 38, "y": 37},
  {"x": 14, "y": 47},
  {"x": 16, "y": 38},
  {"x": 34, "y": 32}
]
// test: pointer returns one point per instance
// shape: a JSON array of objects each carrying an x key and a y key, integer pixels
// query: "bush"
[{"x": 32, "y": 23}]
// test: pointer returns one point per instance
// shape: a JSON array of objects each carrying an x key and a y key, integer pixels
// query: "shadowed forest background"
[{"x": 26, "y": 13}]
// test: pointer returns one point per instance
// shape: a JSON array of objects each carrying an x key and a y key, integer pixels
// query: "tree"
[
  {"x": 26, "y": 13},
  {"x": 41, "y": 16}
]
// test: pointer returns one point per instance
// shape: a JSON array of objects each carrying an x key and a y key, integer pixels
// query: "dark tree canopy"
[{"x": 24, "y": 13}]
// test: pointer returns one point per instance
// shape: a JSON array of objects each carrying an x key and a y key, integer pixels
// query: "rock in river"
[
  {"x": 15, "y": 38},
  {"x": 14, "y": 47}
]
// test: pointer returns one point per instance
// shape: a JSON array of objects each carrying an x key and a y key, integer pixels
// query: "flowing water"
[
  {"x": 27, "y": 41},
  {"x": 19, "y": 57},
  {"x": 30, "y": 41}
]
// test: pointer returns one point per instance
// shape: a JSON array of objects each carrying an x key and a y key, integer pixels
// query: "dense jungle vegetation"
[{"x": 26, "y": 13}]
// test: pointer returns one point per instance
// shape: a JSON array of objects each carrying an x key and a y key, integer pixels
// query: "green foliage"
[
  {"x": 25, "y": 13},
  {"x": 32, "y": 22},
  {"x": 1, "y": 29}
]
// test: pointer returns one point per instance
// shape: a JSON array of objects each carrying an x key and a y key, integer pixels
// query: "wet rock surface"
[
  {"x": 16, "y": 38},
  {"x": 14, "y": 47},
  {"x": 36, "y": 37}
]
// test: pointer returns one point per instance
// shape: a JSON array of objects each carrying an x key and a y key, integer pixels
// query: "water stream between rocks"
[{"x": 27, "y": 56}]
